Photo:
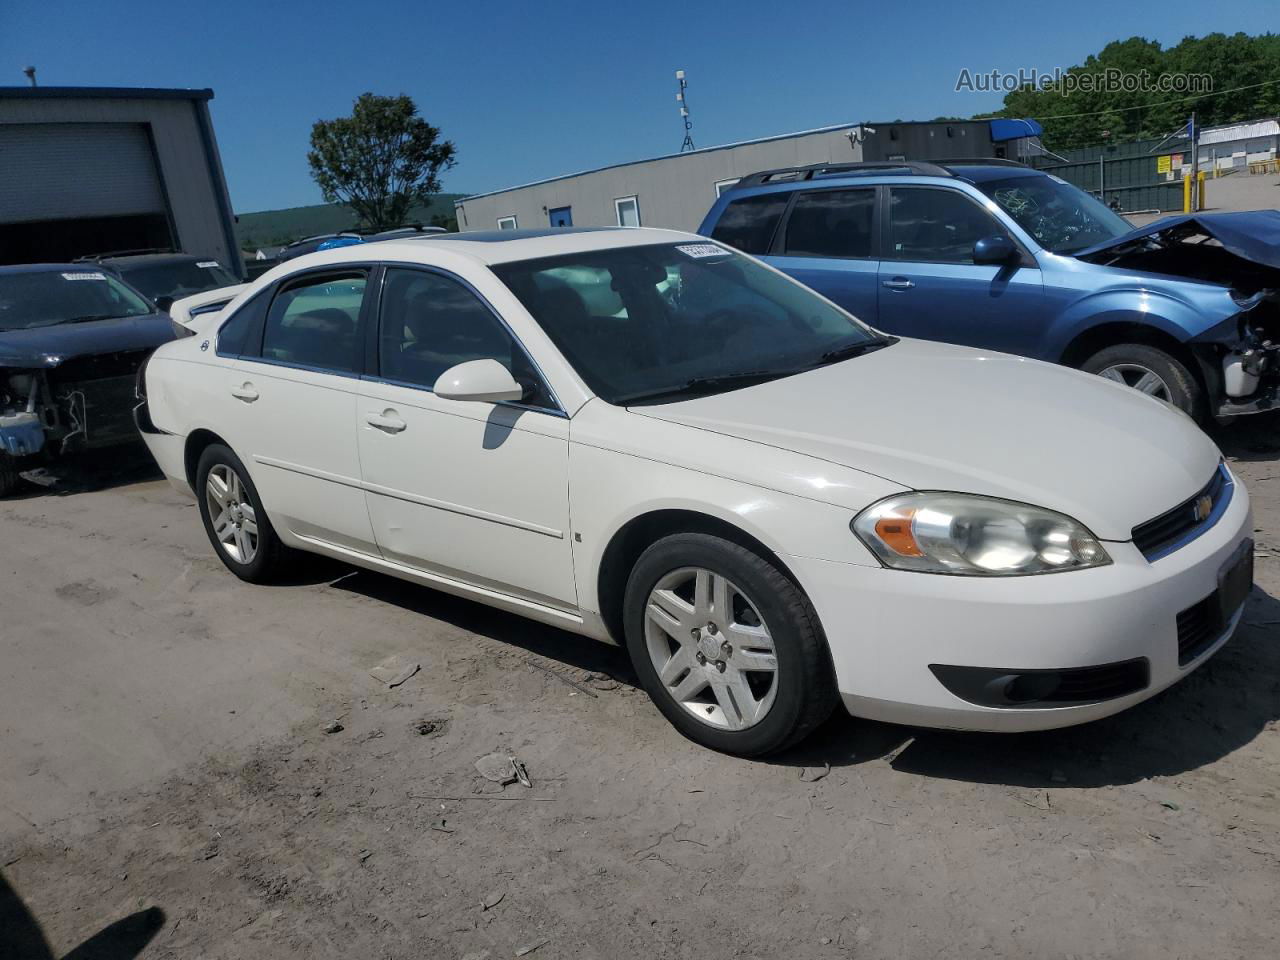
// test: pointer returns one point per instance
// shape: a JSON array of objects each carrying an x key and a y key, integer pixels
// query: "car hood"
[
  {"x": 932, "y": 416},
  {"x": 1243, "y": 250},
  {"x": 50, "y": 346}
]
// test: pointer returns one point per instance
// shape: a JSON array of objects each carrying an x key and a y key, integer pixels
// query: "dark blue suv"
[{"x": 994, "y": 254}]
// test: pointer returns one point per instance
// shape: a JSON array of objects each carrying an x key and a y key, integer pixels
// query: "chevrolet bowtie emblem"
[{"x": 1204, "y": 507}]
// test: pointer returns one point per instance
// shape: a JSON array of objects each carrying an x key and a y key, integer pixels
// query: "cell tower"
[{"x": 682, "y": 98}]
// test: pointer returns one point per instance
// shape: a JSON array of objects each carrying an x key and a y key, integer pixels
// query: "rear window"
[{"x": 749, "y": 223}]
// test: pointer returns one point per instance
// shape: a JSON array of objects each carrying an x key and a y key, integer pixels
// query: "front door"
[
  {"x": 931, "y": 288},
  {"x": 473, "y": 492},
  {"x": 828, "y": 243},
  {"x": 296, "y": 394},
  {"x": 561, "y": 217}
]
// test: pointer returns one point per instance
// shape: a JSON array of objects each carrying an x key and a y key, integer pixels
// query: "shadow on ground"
[
  {"x": 23, "y": 939},
  {"x": 88, "y": 472}
]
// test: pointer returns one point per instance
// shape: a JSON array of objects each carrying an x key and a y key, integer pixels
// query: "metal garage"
[{"x": 91, "y": 170}]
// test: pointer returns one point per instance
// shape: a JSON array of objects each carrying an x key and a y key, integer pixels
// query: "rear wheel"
[
  {"x": 727, "y": 647},
  {"x": 1152, "y": 371},
  {"x": 237, "y": 525}
]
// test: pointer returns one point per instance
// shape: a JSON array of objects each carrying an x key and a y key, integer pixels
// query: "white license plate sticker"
[
  {"x": 209, "y": 264},
  {"x": 700, "y": 251},
  {"x": 84, "y": 276}
]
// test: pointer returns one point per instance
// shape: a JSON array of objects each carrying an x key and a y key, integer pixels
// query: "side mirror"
[
  {"x": 994, "y": 250},
  {"x": 163, "y": 304},
  {"x": 486, "y": 381}
]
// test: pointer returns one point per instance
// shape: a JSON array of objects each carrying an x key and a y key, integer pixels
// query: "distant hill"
[{"x": 274, "y": 228}]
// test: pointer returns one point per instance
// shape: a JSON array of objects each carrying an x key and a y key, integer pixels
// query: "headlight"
[{"x": 977, "y": 536}]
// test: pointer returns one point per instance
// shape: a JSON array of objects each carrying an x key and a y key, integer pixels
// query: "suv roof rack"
[
  {"x": 920, "y": 168},
  {"x": 95, "y": 257},
  {"x": 980, "y": 162}
]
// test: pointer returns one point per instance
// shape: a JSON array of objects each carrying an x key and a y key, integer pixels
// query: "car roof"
[
  {"x": 505, "y": 246},
  {"x": 17, "y": 268},
  {"x": 931, "y": 172}
]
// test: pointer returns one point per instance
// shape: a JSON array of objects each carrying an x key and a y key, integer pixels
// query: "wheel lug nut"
[
  {"x": 711, "y": 629},
  {"x": 696, "y": 633},
  {"x": 726, "y": 649},
  {"x": 720, "y": 665},
  {"x": 702, "y": 660}
]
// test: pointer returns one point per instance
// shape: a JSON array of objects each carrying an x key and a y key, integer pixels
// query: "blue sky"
[{"x": 534, "y": 89}]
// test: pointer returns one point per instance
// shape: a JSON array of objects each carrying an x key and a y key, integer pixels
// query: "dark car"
[
  {"x": 72, "y": 337},
  {"x": 997, "y": 255},
  {"x": 166, "y": 277}
]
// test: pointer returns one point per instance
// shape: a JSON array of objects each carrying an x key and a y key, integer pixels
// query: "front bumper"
[{"x": 886, "y": 628}]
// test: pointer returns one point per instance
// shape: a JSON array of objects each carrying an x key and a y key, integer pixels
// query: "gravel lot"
[{"x": 167, "y": 787}]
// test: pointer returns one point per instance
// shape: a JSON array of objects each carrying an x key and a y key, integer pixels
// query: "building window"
[
  {"x": 506, "y": 223},
  {"x": 628, "y": 210},
  {"x": 723, "y": 185}
]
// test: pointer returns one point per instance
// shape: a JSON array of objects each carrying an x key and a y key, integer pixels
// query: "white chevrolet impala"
[{"x": 645, "y": 437}]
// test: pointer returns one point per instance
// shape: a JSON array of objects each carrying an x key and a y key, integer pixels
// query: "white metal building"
[
  {"x": 87, "y": 170},
  {"x": 1237, "y": 145}
]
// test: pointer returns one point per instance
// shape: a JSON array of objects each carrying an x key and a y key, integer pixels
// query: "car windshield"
[
  {"x": 177, "y": 279},
  {"x": 1060, "y": 217},
  {"x": 47, "y": 297},
  {"x": 650, "y": 323}
]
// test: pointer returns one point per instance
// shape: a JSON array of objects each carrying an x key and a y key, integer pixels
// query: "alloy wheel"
[
  {"x": 235, "y": 523},
  {"x": 1140, "y": 378},
  {"x": 711, "y": 648}
]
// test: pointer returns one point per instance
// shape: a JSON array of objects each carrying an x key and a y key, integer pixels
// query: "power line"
[{"x": 1144, "y": 106}]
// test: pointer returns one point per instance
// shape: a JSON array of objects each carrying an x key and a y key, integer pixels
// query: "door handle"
[
  {"x": 387, "y": 421},
  {"x": 245, "y": 392},
  {"x": 898, "y": 283}
]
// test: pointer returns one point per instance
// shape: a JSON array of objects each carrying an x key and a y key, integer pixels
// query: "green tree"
[{"x": 380, "y": 161}]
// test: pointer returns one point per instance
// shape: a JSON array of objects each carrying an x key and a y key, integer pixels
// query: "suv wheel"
[
  {"x": 727, "y": 647},
  {"x": 1150, "y": 370},
  {"x": 237, "y": 525}
]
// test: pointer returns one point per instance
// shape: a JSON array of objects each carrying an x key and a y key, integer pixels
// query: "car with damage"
[
  {"x": 164, "y": 277},
  {"x": 72, "y": 337},
  {"x": 646, "y": 437},
  {"x": 1000, "y": 256}
]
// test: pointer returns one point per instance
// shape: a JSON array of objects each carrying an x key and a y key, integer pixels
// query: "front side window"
[
  {"x": 647, "y": 323},
  {"x": 430, "y": 323},
  {"x": 315, "y": 322},
  {"x": 45, "y": 298},
  {"x": 831, "y": 223},
  {"x": 936, "y": 225},
  {"x": 749, "y": 223},
  {"x": 1060, "y": 217}
]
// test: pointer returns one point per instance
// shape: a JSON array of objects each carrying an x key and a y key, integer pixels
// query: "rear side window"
[
  {"x": 749, "y": 223},
  {"x": 315, "y": 322},
  {"x": 831, "y": 223},
  {"x": 240, "y": 334}
]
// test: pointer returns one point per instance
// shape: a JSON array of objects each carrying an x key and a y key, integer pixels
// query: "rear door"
[
  {"x": 295, "y": 387},
  {"x": 931, "y": 288},
  {"x": 469, "y": 491},
  {"x": 828, "y": 241}
]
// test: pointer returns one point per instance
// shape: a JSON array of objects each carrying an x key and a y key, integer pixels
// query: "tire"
[
  {"x": 9, "y": 478},
  {"x": 268, "y": 558},
  {"x": 1130, "y": 363},
  {"x": 742, "y": 710}
]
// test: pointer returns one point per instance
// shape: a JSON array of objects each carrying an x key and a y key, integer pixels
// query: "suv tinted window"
[
  {"x": 430, "y": 323},
  {"x": 748, "y": 224},
  {"x": 315, "y": 322},
  {"x": 831, "y": 223},
  {"x": 936, "y": 225}
]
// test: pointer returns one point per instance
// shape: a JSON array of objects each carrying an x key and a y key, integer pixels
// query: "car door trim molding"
[{"x": 396, "y": 494}]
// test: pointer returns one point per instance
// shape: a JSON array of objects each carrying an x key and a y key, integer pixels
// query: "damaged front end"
[
  {"x": 63, "y": 406},
  {"x": 1239, "y": 355}
]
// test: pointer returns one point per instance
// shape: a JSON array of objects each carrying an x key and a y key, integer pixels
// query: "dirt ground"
[{"x": 167, "y": 788}]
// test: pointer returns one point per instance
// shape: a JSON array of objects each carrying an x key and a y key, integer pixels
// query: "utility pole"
[
  {"x": 683, "y": 100},
  {"x": 1195, "y": 164}
]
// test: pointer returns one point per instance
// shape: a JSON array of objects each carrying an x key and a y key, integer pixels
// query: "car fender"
[{"x": 1173, "y": 316}]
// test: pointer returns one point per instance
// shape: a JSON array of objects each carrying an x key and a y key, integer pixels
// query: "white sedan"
[{"x": 645, "y": 437}]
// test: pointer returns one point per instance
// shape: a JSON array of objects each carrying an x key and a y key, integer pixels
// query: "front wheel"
[
  {"x": 727, "y": 647},
  {"x": 1152, "y": 371}
]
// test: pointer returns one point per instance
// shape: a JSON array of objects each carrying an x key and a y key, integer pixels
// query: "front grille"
[
  {"x": 1198, "y": 626},
  {"x": 1155, "y": 537}
]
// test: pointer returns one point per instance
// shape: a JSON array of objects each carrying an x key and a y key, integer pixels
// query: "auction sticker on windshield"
[
  {"x": 700, "y": 251},
  {"x": 84, "y": 276},
  {"x": 209, "y": 264}
]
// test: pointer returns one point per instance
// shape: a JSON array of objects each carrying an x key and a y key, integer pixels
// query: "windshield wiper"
[
  {"x": 91, "y": 317},
  {"x": 856, "y": 349},
  {"x": 711, "y": 384}
]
